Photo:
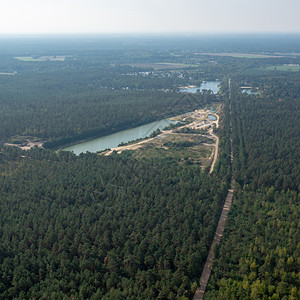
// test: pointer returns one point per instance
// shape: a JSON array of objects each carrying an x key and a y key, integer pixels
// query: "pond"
[
  {"x": 212, "y": 118},
  {"x": 249, "y": 92},
  {"x": 208, "y": 85}
]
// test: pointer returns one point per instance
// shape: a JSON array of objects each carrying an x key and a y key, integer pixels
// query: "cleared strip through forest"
[
  {"x": 220, "y": 228},
  {"x": 217, "y": 238}
]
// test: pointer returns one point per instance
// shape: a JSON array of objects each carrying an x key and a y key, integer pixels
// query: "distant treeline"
[{"x": 62, "y": 106}]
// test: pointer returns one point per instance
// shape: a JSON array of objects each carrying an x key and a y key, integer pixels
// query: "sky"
[{"x": 148, "y": 16}]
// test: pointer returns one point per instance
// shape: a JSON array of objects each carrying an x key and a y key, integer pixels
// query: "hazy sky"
[{"x": 105, "y": 16}]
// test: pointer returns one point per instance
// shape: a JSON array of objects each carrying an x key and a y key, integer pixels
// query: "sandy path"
[
  {"x": 217, "y": 238},
  {"x": 216, "y": 151},
  {"x": 217, "y": 121},
  {"x": 137, "y": 145},
  {"x": 127, "y": 147},
  {"x": 196, "y": 124},
  {"x": 206, "y": 272}
]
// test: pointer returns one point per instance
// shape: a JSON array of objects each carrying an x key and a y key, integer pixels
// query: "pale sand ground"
[
  {"x": 28, "y": 146},
  {"x": 200, "y": 117}
]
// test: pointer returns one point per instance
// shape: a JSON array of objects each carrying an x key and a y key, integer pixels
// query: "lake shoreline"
[
  {"x": 79, "y": 142},
  {"x": 201, "y": 119}
]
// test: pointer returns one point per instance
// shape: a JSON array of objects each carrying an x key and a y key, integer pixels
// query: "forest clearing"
[{"x": 186, "y": 136}]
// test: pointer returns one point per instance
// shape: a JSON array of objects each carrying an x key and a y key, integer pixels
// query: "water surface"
[
  {"x": 249, "y": 92},
  {"x": 209, "y": 85},
  {"x": 212, "y": 118},
  {"x": 113, "y": 140}
]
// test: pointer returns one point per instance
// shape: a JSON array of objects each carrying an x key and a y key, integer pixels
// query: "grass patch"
[
  {"x": 162, "y": 66},
  {"x": 285, "y": 68},
  {"x": 185, "y": 148},
  {"x": 240, "y": 55}
]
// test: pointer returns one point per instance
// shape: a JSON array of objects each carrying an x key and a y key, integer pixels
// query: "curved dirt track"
[{"x": 195, "y": 124}]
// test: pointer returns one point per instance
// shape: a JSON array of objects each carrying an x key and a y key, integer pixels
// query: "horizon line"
[{"x": 151, "y": 33}]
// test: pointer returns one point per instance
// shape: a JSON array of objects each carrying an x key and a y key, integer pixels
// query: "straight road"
[{"x": 220, "y": 228}]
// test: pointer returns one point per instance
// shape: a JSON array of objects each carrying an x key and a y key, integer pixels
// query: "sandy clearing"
[
  {"x": 215, "y": 152},
  {"x": 135, "y": 146},
  {"x": 27, "y": 146},
  {"x": 200, "y": 122}
]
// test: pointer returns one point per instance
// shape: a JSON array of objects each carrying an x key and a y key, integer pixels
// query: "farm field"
[
  {"x": 239, "y": 55},
  {"x": 161, "y": 65},
  {"x": 43, "y": 58},
  {"x": 287, "y": 68}
]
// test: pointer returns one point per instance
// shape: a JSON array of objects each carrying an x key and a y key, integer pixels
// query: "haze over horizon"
[{"x": 133, "y": 16}]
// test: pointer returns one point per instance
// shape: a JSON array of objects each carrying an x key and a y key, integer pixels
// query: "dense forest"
[
  {"x": 82, "y": 97},
  {"x": 138, "y": 227},
  {"x": 259, "y": 254},
  {"x": 104, "y": 85},
  {"x": 92, "y": 227}
]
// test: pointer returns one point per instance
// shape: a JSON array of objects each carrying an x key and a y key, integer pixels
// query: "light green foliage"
[{"x": 258, "y": 256}]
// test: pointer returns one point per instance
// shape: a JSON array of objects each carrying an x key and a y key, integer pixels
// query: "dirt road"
[
  {"x": 206, "y": 272},
  {"x": 216, "y": 151},
  {"x": 217, "y": 238},
  {"x": 135, "y": 146},
  {"x": 196, "y": 124}
]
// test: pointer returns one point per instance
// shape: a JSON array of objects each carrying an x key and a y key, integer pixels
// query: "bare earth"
[
  {"x": 199, "y": 121},
  {"x": 216, "y": 151},
  {"x": 27, "y": 146},
  {"x": 206, "y": 272},
  {"x": 210, "y": 258}
]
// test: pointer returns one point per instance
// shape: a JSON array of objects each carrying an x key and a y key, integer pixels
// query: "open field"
[
  {"x": 240, "y": 55},
  {"x": 288, "y": 54},
  {"x": 8, "y": 74},
  {"x": 26, "y": 145},
  {"x": 286, "y": 68},
  {"x": 162, "y": 65},
  {"x": 167, "y": 146},
  {"x": 43, "y": 58}
]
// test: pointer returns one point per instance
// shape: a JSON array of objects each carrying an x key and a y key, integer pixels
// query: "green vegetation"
[
  {"x": 64, "y": 102},
  {"x": 139, "y": 225},
  {"x": 155, "y": 133},
  {"x": 191, "y": 131},
  {"x": 184, "y": 148},
  {"x": 175, "y": 125},
  {"x": 100, "y": 227},
  {"x": 180, "y": 144},
  {"x": 61, "y": 116},
  {"x": 286, "y": 68},
  {"x": 162, "y": 66},
  {"x": 239, "y": 55},
  {"x": 259, "y": 254}
]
